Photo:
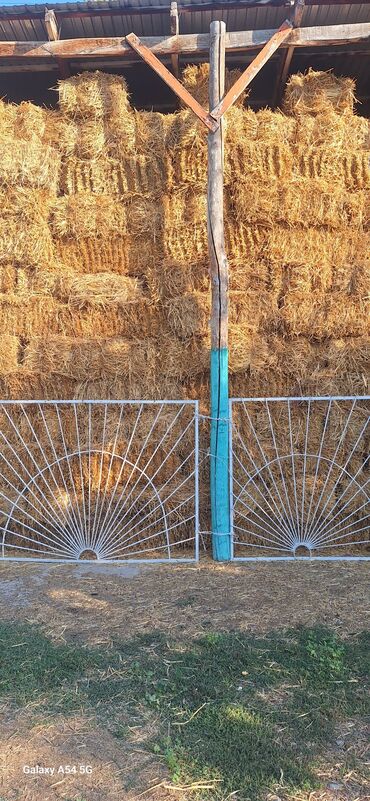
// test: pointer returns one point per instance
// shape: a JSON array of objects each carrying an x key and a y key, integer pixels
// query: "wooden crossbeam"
[
  {"x": 250, "y": 73},
  {"x": 170, "y": 80},
  {"x": 191, "y": 44}
]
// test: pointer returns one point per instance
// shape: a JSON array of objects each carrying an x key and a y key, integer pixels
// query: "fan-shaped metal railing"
[
  {"x": 99, "y": 480},
  {"x": 300, "y": 477}
]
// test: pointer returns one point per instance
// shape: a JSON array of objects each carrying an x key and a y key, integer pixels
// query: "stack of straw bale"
[
  {"x": 104, "y": 282},
  {"x": 103, "y": 243}
]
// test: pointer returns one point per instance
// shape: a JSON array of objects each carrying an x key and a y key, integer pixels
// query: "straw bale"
[
  {"x": 29, "y": 386},
  {"x": 93, "y": 95},
  {"x": 29, "y": 163},
  {"x": 25, "y": 205},
  {"x": 248, "y": 352},
  {"x": 182, "y": 359},
  {"x": 90, "y": 359},
  {"x": 335, "y": 132},
  {"x": 106, "y": 175},
  {"x": 313, "y": 246},
  {"x": 260, "y": 162},
  {"x": 308, "y": 202},
  {"x": 43, "y": 315},
  {"x": 173, "y": 280},
  {"x": 245, "y": 244},
  {"x": 144, "y": 218},
  {"x": 316, "y": 92},
  {"x": 28, "y": 316},
  {"x": 119, "y": 254},
  {"x": 195, "y": 79},
  {"x": 26, "y": 244},
  {"x": 154, "y": 131},
  {"x": 88, "y": 215},
  {"x": 30, "y": 121},
  {"x": 335, "y": 314},
  {"x": 9, "y": 352},
  {"x": 253, "y": 310},
  {"x": 259, "y": 276},
  {"x": 188, "y": 314},
  {"x": 347, "y": 169},
  {"x": 185, "y": 226},
  {"x": 100, "y": 289},
  {"x": 275, "y": 128}
]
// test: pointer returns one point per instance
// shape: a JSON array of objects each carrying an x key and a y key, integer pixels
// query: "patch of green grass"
[{"x": 237, "y": 711}]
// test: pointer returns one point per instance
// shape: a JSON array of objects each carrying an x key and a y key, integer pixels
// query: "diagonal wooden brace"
[
  {"x": 171, "y": 81},
  {"x": 247, "y": 76}
]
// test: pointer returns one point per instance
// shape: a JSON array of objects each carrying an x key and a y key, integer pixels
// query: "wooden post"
[
  {"x": 220, "y": 505},
  {"x": 175, "y": 30}
]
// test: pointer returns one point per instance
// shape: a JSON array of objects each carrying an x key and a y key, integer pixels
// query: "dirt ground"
[{"x": 92, "y": 604}]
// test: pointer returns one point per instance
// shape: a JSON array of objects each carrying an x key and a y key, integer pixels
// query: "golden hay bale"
[
  {"x": 100, "y": 289},
  {"x": 144, "y": 218},
  {"x": 346, "y": 169},
  {"x": 195, "y": 78},
  {"x": 335, "y": 132},
  {"x": 29, "y": 163},
  {"x": 182, "y": 359},
  {"x": 185, "y": 226},
  {"x": 154, "y": 132},
  {"x": 8, "y": 112},
  {"x": 333, "y": 315},
  {"x": 188, "y": 315},
  {"x": 260, "y": 162},
  {"x": 120, "y": 255},
  {"x": 28, "y": 316},
  {"x": 309, "y": 202},
  {"x": 43, "y": 315},
  {"x": 312, "y": 246},
  {"x": 256, "y": 276},
  {"x": 275, "y": 128},
  {"x": 253, "y": 310},
  {"x": 93, "y": 94},
  {"x": 316, "y": 92},
  {"x": 172, "y": 280},
  {"x": 90, "y": 359},
  {"x": 25, "y": 205},
  {"x": 247, "y": 351},
  {"x": 9, "y": 354},
  {"x": 87, "y": 215},
  {"x": 105, "y": 175},
  {"x": 29, "y": 386},
  {"x": 30, "y": 121},
  {"x": 27, "y": 244}
]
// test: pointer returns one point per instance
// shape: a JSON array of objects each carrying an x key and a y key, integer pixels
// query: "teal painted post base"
[{"x": 220, "y": 501}]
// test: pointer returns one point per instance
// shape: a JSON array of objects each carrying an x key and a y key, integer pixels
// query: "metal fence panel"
[
  {"x": 299, "y": 478},
  {"x": 99, "y": 480}
]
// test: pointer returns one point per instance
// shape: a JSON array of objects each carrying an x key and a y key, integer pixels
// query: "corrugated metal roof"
[{"x": 95, "y": 19}]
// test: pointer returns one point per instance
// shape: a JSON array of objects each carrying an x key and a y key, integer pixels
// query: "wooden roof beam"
[
  {"x": 53, "y": 32},
  {"x": 286, "y": 59},
  {"x": 236, "y": 41}
]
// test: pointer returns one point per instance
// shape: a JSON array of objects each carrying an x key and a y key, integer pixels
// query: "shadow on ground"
[{"x": 236, "y": 712}]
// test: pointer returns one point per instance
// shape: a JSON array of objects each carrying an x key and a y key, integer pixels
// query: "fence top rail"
[
  {"x": 303, "y": 398},
  {"x": 110, "y": 402}
]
